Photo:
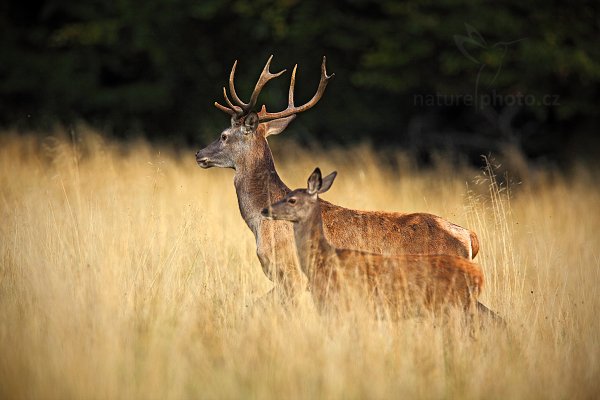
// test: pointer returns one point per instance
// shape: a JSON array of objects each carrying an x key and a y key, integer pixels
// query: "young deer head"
[
  {"x": 299, "y": 205},
  {"x": 244, "y": 141}
]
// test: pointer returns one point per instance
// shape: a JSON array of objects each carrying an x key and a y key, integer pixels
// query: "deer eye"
[
  {"x": 292, "y": 201},
  {"x": 223, "y": 137}
]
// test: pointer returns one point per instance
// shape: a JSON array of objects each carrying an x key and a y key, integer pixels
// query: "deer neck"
[
  {"x": 312, "y": 246},
  {"x": 257, "y": 184}
]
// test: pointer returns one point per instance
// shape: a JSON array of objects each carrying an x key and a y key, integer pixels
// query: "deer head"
[
  {"x": 299, "y": 204},
  {"x": 243, "y": 141}
]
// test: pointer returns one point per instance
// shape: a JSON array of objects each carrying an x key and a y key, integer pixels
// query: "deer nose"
[{"x": 203, "y": 162}]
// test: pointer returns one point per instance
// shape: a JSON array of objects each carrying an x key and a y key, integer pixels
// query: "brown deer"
[
  {"x": 395, "y": 285},
  {"x": 243, "y": 147}
]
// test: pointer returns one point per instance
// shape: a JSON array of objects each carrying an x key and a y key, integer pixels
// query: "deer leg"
[
  {"x": 488, "y": 316},
  {"x": 269, "y": 299},
  {"x": 265, "y": 262},
  {"x": 282, "y": 294},
  {"x": 285, "y": 277},
  {"x": 276, "y": 252}
]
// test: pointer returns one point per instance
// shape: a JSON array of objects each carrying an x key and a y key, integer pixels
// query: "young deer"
[
  {"x": 401, "y": 284},
  {"x": 244, "y": 148}
]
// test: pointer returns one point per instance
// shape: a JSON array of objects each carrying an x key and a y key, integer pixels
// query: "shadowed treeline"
[{"x": 471, "y": 76}]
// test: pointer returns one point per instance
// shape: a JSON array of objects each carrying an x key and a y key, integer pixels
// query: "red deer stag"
[
  {"x": 397, "y": 285},
  {"x": 243, "y": 147}
]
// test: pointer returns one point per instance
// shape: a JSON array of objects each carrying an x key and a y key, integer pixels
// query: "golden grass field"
[{"x": 126, "y": 272}]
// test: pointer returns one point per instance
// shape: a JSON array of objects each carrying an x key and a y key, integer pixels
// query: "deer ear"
[
  {"x": 277, "y": 125},
  {"x": 314, "y": 182},
  {"x": 327, "y": 182},
  {"x": 250, "y": 123}
]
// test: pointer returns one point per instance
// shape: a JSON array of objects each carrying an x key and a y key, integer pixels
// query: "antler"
[
  {"x": 291, "y": 109},
  {"x": 240, "y": 108}
]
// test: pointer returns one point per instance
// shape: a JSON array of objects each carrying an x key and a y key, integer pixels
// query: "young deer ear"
[
  {"x": 327, "y": 182},
  {"x": 277, "y": 125},
  {"x": 314, "y": 182}
]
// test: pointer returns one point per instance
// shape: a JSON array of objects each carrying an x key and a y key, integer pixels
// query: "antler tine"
[
  {"x": 265, "y": 76},
  {"x": 292, "y": 109},
  {"x": 232, "y": 110},
  {"x": 292, "y": 87},
  {"x": 236, "y": 109},
  {"x": 234, "y": 95},
  {"x": 225, "y": 109}
]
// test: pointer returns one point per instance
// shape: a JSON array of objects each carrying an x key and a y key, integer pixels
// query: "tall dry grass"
[{"x": 126, "y": 272}]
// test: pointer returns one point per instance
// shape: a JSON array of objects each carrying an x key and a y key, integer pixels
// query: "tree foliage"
[{"x": 155, "y": 67}]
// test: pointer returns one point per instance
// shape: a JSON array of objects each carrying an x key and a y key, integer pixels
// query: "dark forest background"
[{"x": 469, "y": 77}]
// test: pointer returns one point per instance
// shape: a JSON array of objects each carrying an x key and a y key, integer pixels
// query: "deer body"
[
  {"x": 375, "y": 232},
  {"x": 244, "y": 148},
  {"x": 399, "y": 283}
]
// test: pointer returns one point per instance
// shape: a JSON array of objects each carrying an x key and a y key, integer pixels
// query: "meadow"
[{"x": 126, "y": 272}]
